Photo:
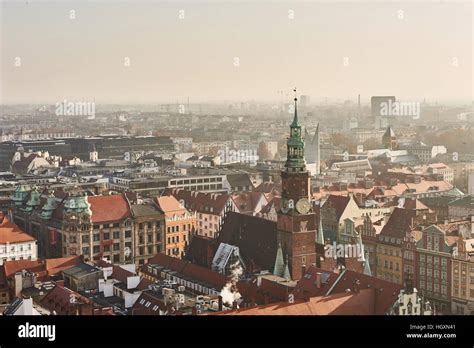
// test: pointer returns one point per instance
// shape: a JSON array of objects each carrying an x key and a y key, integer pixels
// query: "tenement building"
[{"x": 79, "y": 223}]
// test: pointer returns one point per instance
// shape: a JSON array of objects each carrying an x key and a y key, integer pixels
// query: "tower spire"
[
  {"x": 295, "y": 161},
  {"x": 295, "y": 122}
]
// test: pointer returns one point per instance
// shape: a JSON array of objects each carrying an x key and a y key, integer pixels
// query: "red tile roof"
[
  {"x": 186, "y": 268},
  {"x": 11, "y": 233},
  {"x": 42, "y": 268},
  {"x": 109, "y": 208},
  {"x": 170, "y": 206},
  {"x": 384, "y": 297},
  {"x": 61, "y": 300},
  {"x": 338, "y": 304}
]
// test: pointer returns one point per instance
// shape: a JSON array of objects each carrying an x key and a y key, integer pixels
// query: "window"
[
  {"x": 116, "y": 246},
  {"x": 96, "y": 237},
  {"x": 85, "y": 239},
  {"x": 96, "y": 249},
  {"x": 106, "y": 248},
  {"x": 128, "y": 234},
  {"x": 116, "y": 235},
  {"x": 106, "y": 236}
]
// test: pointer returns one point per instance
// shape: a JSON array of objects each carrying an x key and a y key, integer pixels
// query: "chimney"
[
  {"x": 318, "y": 280},
  {"x": 220, "y": 304}
]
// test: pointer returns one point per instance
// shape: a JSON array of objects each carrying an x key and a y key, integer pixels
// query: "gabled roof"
[
  {"x": 337, "y": 304},
  {"x": 400, "y": 222},
  {"x": 59, "y": 300},
  {"x": 339, "y": 203},
  {"x": 248, "y": 201},
  {"x": 202, "y": 202},
  {"x": 275, "y": 202},
  {"x": 256, "y": 238},
  {"x": 186, "y": 268},
  {"x": 269, "y": 187}
]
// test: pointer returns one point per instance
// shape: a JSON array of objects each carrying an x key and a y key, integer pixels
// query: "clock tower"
[{"x": 296, "y": 222}]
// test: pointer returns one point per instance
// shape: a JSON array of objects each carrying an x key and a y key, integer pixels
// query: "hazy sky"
[{"x": 428, "y": 53}]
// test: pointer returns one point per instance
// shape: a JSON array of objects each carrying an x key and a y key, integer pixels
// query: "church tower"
[
  {"x": 296, "y": 222},
  {"x": 389, "y": 139}
]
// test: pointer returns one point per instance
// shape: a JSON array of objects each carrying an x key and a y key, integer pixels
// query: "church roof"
[{"x": 255, "y": 237}]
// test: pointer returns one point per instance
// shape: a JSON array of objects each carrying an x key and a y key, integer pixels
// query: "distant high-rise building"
[
  {"x": 305, "y": 99},
  {"x": 380, "y": 121}
]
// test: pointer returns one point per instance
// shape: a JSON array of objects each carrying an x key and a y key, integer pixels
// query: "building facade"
[
  {"x": 180, "y": 223},
  {"x": 434, "y": 268}
]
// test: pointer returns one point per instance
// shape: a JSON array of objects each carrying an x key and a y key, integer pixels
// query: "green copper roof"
[
  {"x": 293, "y": 141},
  {"x": 295, "y": 162},
  {"x": 296, "y": 122}
]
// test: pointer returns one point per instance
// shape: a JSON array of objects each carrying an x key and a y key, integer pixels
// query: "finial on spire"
[{"x": 295, "y": 118}]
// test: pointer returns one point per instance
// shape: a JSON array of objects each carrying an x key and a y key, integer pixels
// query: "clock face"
[{"x": 303, "y": 206}]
